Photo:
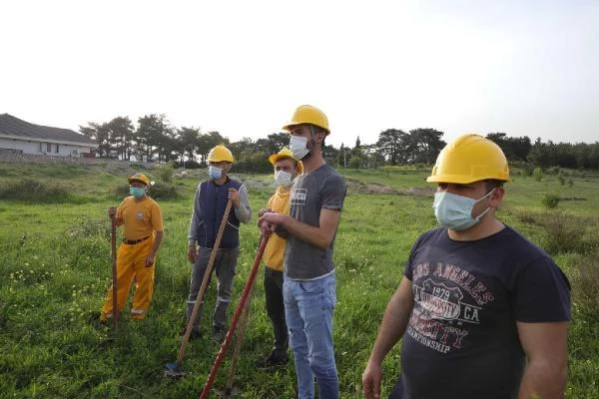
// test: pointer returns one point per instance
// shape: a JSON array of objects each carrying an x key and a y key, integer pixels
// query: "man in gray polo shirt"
[{"x": 309, "y": 274}]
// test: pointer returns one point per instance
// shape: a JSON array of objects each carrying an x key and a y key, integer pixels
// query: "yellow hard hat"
[
  {"x": 468, "y": 159},
  {"x": 309, "y": 114},
  {"x": 220, "y": 153},
  {"x": 140, "y": 177},
  {"x": 286, "y": 153}
]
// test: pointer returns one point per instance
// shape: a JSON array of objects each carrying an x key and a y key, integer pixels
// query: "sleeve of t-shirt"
[
  {"x": 333, "y": 193},
  {"x": 408, "y": 272},
  {"x": 156, "y": 215},
  {"x": 119, "y": 210},
  {"x": 542, "y": 293}
]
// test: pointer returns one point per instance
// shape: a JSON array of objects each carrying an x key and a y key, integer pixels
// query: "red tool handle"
[
  {"x": 115, "y": 308},
  {"x": 238, "y": 310}
]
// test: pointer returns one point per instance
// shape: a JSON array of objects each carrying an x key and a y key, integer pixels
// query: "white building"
[{"x": 20, "y": 137}]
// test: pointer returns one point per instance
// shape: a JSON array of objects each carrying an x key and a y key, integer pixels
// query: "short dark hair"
[
  {"x": 317, "y": 129},
  {"x": 491, "y": 184}
]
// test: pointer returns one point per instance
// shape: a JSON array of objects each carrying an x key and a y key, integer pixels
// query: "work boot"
[
  {"x": 95, "y": 318},
  {"x": 219, "y": 333},
  {"x": 273, "y": 360},
  {"x": 195, "y": 333}
]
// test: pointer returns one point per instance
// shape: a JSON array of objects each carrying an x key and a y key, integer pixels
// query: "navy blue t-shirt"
[{"x": 461, "y": 340}]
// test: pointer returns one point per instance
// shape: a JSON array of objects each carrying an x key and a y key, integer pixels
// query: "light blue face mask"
[
  {"x": 215, "y": 173},
  {"x": 137, "y": 192},
  {"x": 455, "y": 211}
]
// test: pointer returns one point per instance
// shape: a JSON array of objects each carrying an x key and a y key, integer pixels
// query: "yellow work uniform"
[
  {"x": 274, "y": 253},
  {"x": 140, "y": 219}
]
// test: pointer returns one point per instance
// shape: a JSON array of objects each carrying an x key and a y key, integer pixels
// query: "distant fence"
[{"x": 15, "y": 157}]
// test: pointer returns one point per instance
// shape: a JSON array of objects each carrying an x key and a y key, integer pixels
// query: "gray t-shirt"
[{"x": 323, "y": 188}]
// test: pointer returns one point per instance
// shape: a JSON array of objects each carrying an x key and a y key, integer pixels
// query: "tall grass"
[{"x": 34, "y": 191}]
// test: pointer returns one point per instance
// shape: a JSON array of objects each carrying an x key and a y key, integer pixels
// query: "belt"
[{"x": 133, "y": 242}]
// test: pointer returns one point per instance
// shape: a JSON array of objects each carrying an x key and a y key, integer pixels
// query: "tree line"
[{"x": 154, "y": 139}]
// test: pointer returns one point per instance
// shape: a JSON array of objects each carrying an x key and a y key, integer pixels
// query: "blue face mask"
[
  {"x": 455, "y": 211},
  {"x": 215, "y": 173},
  {"x": 137, "y": 192}
]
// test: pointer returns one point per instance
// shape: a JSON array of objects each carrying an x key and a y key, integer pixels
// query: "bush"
[
  {"x": 537, "y": 174},
  {"x": 89, "y": 228},
  {"x": 355, "y": 162},
  {"x": 255, "y": 163},
  {"x": 163, "y": 190},
  {"x": 562, "y": 180},
  {"x": 529, "y": 169},
  {"x": 563, "y": 234},
  {"x": 190, "y": 165},
  {"x": 527, "y": 217},
  {"x": 31, "y": 190},
  {"x": 160, "y": 190},
  {"x": 570, "y": 182},
  {"x": 551, "y": 201},
  {"x": 165, "y": 172},
  {"x": 585, "y": 282}
]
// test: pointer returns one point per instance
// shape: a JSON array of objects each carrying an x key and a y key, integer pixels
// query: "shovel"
[{"x": 174, "y": 369}]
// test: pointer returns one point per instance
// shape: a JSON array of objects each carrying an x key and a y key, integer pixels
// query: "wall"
[{"x": 33, "y": 147}]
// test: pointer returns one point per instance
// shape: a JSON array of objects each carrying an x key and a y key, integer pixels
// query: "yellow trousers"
[{"x": 130, "y": 264}]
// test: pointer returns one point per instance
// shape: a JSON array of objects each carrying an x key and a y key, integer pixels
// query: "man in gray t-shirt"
[
  {"x": 309, "y": 275},
  {"x": 321, "y": 189}
]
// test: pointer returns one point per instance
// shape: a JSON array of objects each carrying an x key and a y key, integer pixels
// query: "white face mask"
[
  {"x": 283, "y": 179},
  {"x": 299, "y": 147},
  {"x": 455, "y": 211}
]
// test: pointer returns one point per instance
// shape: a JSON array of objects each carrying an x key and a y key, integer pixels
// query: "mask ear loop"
[{"x": 488, "y": 209}]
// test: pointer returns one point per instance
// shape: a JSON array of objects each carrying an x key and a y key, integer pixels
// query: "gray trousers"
[{"x": 224, "y": 267}]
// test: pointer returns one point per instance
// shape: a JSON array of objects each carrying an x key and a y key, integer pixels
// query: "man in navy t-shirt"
[{"x": 483, "y": 312}]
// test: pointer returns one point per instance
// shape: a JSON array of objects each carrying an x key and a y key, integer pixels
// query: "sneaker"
[{"x": 272, "y": 360}]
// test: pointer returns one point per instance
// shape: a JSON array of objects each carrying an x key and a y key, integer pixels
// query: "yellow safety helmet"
[
  {"x": 311, "y": 115},
  {"x": 140, "y": 177},
  {"x": 284, "y": 154},
  {"x": 220, "y": 153},
  {"x": 468, "y": 159}
]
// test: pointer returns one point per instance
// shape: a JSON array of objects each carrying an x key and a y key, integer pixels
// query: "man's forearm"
[
  {"x": 393, "y": 326},
  {"x": 243, "y": 211},
  {"x": 543, "y": 380},
  {"x": 310, "y": 234},
  {"x": 157, "y": 242}
]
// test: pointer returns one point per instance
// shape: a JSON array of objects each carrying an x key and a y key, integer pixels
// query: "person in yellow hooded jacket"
[
  {"x": 141, "y": 219},
  {"x": 286, "y": 168}
]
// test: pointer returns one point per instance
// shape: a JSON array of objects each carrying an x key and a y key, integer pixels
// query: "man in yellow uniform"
[
  {"x": 142, "y": 220},
  {"x": 286, "y": 168}
]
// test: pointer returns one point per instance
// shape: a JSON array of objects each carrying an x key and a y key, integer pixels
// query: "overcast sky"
[{"x": 241, "y": 67}]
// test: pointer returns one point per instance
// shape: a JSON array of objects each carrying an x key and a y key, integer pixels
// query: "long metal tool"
[
  {"x": 174, "y": 369},
  {"x": 238, "y": 310}
]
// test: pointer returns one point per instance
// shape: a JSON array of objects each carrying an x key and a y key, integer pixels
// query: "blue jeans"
[{"x": 309, "y": 312}]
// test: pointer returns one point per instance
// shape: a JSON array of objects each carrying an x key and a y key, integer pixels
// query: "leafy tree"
[
  {"x": 121, "y": 133},
  {"x": 425, "y": 145},
  {"x": 391, "y": 144}
]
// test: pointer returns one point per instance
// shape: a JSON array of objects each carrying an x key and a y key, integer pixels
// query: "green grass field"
[{"x": 56, "y": 267}]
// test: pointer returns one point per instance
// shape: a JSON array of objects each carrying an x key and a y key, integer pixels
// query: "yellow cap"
[
  {"x": 140, "y": 177},
  {"x": 468, "y": 159},
  {"x": 220, "y": 153},
  {"x": 307, "y": 114},
  {"x": 286, "y": 153}
]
